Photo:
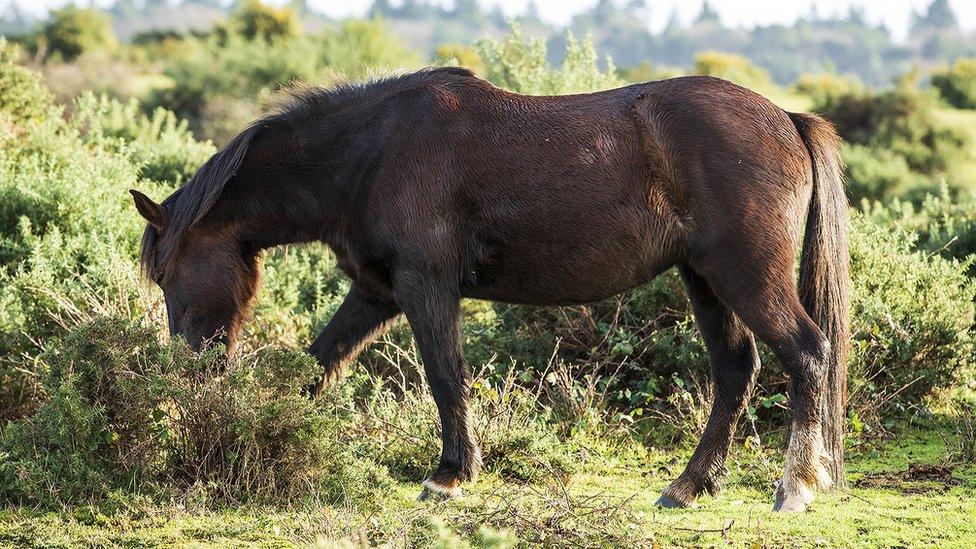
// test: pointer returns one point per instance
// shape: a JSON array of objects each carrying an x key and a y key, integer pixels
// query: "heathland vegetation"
[{"x": 112, "y": 435}]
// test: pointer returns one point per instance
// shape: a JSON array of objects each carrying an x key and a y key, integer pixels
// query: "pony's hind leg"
[
  {"x": 734, "y": 364},
  {"x": 358, "y": 321},
  {"x": 763, "y": 294}
]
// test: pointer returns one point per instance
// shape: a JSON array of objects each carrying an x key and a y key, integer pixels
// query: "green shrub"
[
  {"x": 957, "y": 84},
  {"x": 231, "y": 70},
  {"x": 901, "y": 120},
  {"x": 876, "y": 173},
  {"x": 220, "y": 82},
  {"x": 519, "y": 63},
  {"x": 819, "y": 87},
  {"x": 945, "y": 223},
  {"x": 127, "y": 413},
  {"x": 520, "y": 436},
  {"x": 253, "y": 19},
  {"x": 23, "y": 96},
  {"x": 358, "y": 47},
  {"x": 68, "y": 235},
  {"x": 730, "y": 66},
  {"x": 73, "y": 30},
  {"x": 460, "y": 55},
  {"x": 912, "y": 320},
  {"x": 160, "y": 144}
]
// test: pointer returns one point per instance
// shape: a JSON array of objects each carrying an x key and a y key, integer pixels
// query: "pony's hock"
[{"x": 435, "y": 186}]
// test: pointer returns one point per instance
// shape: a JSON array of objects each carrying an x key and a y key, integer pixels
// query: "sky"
[{"x": 896, "y": 14}]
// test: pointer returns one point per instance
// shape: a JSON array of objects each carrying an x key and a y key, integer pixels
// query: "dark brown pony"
[{"x": 436, "y": 185}]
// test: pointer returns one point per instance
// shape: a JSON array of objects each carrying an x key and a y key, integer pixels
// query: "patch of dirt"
[{"x": 917, "y": 479}]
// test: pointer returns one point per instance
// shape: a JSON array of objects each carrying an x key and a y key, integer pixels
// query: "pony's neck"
[{"x": 280, "y": 196}]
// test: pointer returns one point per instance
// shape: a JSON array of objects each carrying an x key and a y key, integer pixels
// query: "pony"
[{"x": 434, "y": 186}]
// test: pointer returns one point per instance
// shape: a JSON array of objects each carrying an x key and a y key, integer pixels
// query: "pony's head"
[
  {"x": 207, "y": 270},
  {"x": 208, "y": 279}
]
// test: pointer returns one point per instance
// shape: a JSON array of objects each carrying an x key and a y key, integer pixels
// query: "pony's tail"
[{"x": 825, "y": 276}]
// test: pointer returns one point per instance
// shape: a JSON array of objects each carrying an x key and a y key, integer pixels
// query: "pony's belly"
[{"x": 570, "y": 284}]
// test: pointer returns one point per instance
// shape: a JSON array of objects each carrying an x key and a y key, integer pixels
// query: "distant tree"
[
  {"x": 253, "y": 19},
  {"x": 381, "y": 8},
  {"x": 730, "y": 66},
  {"x": 73, "y": 30},
  {"x": 467, "y": 9},
  {"x": 938, "y": 17},
  {"x": 497, "y": 16},
  {"x": 707, "y": 14},
  {"x": 674, "y": 22},
  {"x": 604, "y": 11},
  {"x": 855, "y": 16}
]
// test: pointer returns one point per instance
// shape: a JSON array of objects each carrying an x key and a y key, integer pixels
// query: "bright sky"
[{"x": 896, "y": 14}]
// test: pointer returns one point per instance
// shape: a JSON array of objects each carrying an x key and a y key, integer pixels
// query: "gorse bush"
[
  {"x": 460, "y": 55},
  {"x": 127, "y": 413},
  {"x": 520, "y": 64},
  {"x": 73, "y": 30},
  {"x": 820, "y": 87},
  {"x": 879, "y": 173},
  {"x": 912, "y": 320},
  {"x": 957, "y": 83},
  {"x": 67, "y": 234},
  {"x": 24, "y": 97},
  {"x": 254, "y": 19},
  {"x": 944, "y": 224},
  {"x": 900, "y": 119},
  {"x": 159, "y": 144},
  {"x": 734, "y": 67},
  {"x": 221, "y": 81}
]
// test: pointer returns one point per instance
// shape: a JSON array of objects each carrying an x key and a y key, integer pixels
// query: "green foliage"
[
  {"x": 821, "y": 86},
  {"x": 912, "y": 320},
  {"x": 358, "y": 47},
  {"x": 957, "y": 84},
  {"x": 159, "y": 144},
  {"x": 254, "y": 19},
  {"x": 899, "y": 119},
  {"x": 520, "y": 64},
  {"x": 126, "y": 413},
  {"x": 878, "y": 173},
  {"x": 73, "y": 30},
  {"x": 459, "y": 55},
  {"x": 945, "y": 224},
  {"x": 730, "y": 66},
  {"x": 220, "y": 82},
  {"x": 68, "y": 236},
  {"x": 24, "y": 97}
]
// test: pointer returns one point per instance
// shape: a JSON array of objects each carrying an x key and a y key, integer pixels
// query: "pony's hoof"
[
  {"x": 790, "y": 504},
  {"x": 668, "y": 503},
  {"x": 435, "y": 492}
]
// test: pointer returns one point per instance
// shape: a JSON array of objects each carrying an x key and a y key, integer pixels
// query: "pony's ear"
[{"x": 154, "y": 213}]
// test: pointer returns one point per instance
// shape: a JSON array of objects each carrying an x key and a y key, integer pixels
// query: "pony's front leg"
[
  {"x": 432, "y": 306},
  {"x": 359, "y": 320}
]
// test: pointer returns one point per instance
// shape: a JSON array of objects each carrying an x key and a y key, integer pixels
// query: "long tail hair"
[{"x": 825, "y": 275}]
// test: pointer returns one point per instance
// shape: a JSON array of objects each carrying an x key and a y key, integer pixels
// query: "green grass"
[{"x": 610, "y": 503}]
